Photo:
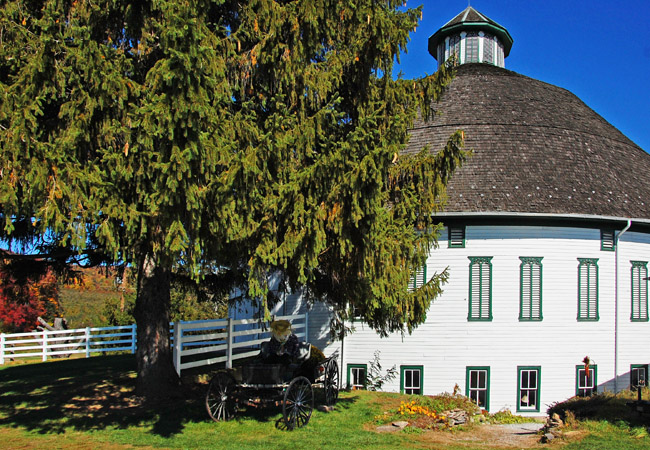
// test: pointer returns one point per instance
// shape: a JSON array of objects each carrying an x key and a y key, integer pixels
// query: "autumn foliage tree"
[
  {"x": 224, "y": 140},
  {"x": 23, "y": 301}
]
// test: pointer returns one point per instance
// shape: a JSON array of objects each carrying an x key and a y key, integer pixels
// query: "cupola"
[{"x": 473, "y": 38}]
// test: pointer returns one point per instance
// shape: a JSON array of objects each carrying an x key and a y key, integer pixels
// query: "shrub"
[{"x": 602, "y": 406}]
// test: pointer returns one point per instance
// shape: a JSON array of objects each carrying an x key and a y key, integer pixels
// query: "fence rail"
[
  {"x": 47, "y": 344},
  {"x": 195, "y": 343},
  {"x": 204, "y": 343}
]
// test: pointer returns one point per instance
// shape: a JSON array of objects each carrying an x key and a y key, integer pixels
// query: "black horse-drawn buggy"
[{"x": 289, "y": 384}]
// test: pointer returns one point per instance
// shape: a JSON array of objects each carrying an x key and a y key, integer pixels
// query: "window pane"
[{"x": 482, "y": 396}]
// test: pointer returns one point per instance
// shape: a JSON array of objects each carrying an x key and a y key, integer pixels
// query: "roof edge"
[{"x": 543, "y": 216}]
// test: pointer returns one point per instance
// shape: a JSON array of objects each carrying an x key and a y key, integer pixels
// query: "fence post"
[
  {"x": 87, "y": 342},
  {"x": 178, "y": 333},
  {"x": 133, "y": 338},
  {"x": 229, "y": 344},
  {"x": 306, "y": 326},
  {"x": 44, "y": 345},
  {"x": 2, "y": 348}
]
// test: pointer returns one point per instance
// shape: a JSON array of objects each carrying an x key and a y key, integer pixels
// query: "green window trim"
[
  {"x": 480, "y": 289},
  {"x": 607, "y": 240},
  {"x": 472, "y": 373},
  {"x": 403, "y": 375},
  {"x": 350, "y": 383},
  {"x": 456, "y": 237},
  {"x": 635, "y": 370},
  {"x": 527, "y": 388},
  {"x": 588, "y": 290},
  {"x": 639, "y": 291},
  {"x": 582, "y": 384},
  {"x": 530, "y": 289}
]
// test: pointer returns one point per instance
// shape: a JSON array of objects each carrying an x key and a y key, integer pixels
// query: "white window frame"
[
  {"x": 473, "y": 391},
  {"x": 416, "y": 374},
  {"x": 591, "y": 386},
  {"x": 524, "y": 392}
]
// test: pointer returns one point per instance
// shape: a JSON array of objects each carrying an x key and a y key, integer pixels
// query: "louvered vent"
[
  {"x": 607, "y": 240},
  {"x": 456, "y": 237}
]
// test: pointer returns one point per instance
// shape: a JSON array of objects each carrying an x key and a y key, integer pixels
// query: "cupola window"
[
  {"x": 488, "y": 49},
  {"x": 471, "y": 47}
]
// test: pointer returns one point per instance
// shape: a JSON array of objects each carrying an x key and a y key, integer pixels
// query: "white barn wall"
[{"x": 447, "y": 343}]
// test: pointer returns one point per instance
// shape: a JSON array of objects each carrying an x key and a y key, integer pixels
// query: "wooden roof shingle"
[{"x": 537, "y": 148}]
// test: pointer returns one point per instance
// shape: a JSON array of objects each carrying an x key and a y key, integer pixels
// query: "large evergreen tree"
[{"x": 230, "y": 137}]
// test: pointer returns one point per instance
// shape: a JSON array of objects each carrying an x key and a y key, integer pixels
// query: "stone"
[
  {"x": 325, "y": 408},
  {"x": 548, "y": 437},
  {"x": 555, "y": 420},
  {"x": 387, "y": 429},
  {"x": 400, "y": 424}
]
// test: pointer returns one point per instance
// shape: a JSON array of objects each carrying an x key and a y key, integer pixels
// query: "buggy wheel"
[
  {"x": 220, "y": 399},
  {"x": 298, "y": 403},
  {"x": 331, "y": 383}
]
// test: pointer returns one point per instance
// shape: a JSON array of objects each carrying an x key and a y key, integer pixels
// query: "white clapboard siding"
[{"x": 447, "y": 343}]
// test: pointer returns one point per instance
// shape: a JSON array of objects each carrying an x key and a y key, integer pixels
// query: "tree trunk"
[{"x": 156, "y": 375}]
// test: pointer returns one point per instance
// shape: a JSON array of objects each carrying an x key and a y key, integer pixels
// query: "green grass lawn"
[{"x": 89, "y": 403}]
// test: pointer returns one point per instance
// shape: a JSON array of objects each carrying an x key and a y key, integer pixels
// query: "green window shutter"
[
  {"x": 456, "y": 237},
  {"x": 419, "y": 278},
  {"x": 588, "y": 289},
  {"x": 477, "y": 386},
  {"x": 639, "y": 291},
  {"x": 480, "y": 288},
  {"x": 528, "y": 388},
  {"x": 530, "y": 304},
  {"x": 608, "y": 240}
]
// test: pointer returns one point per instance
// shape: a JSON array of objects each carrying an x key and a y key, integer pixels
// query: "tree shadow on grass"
[
  {"x": 98, "y": 393},
  {"x": 88, "y": 394}
]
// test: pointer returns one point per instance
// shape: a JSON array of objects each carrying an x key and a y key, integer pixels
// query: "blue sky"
[{"x": 599, "y": 50}]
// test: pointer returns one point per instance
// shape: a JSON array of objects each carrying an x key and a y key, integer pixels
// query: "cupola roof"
[{"x": 470, "y": 20}]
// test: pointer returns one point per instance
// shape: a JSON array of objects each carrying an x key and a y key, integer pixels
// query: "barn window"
[
  {"x": 477, "y": 386},
  {"x": 588, "y": 289},
  {"x": 638, "y": 376},
  {"x": 471, "y": 47},
  {"x": 480, "y": 288},
  {"x": 454, "y": 47},
  {"x": 456, "y": 237},
  {"x": 639, "y": 291},
  {"x": 411, "y": 379},
  {"x": 357, "y": 376},
  {"x": 607, "y": 240},
  {"x": 419, "y": 278},
  {"x": 586, "y": 382},
  {"x": 528, "y": 389},
  {"x": 530, "y": 282},
  {"x": 488, "y": 49}
]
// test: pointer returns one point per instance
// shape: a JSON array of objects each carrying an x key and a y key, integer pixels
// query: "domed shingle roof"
[{"x": 537, "y": 149}]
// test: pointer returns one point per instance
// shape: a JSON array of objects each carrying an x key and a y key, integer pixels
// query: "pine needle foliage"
[{"x": 251, "y": 136}]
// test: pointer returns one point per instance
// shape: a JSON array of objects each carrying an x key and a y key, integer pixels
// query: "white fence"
[
  {"x": 204, "y": 342},
  {"x": 196, "y": 343},
  {"x": 47, "y": 344}
]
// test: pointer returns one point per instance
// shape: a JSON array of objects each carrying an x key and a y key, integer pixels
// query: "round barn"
[{"x": 546, "y": 240}]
